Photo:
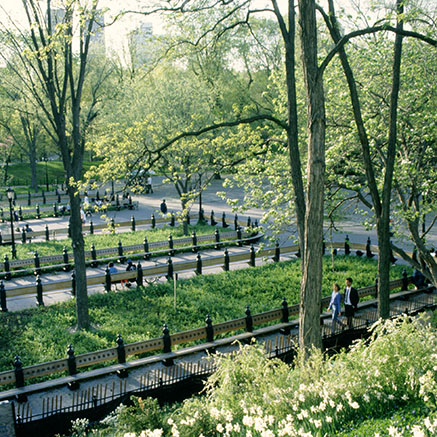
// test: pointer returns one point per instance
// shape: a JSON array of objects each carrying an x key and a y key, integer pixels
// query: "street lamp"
[{"x": 10, "y": 193}]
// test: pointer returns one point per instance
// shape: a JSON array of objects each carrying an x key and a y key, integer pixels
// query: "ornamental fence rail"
[
  {"x": 95, "y": 256},
  {"x": 169, "y": 268}
]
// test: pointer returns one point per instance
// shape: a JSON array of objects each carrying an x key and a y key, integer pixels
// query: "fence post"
[
  {"x": 224, "y": 224},
  {"x": 93, "y": 256},
  {"x": 404, "y": 280},
  {"x": 72, "y": 370},
  {"x": 121, "y": 356},
  {"x": 252, "y": 256},
  {"x": 167, "y": 345},
  {"x": 59, "y": 198},
  {"x": 23, "y": 235},
  {"x": 284, "y": 319},
  {"x": 112, "y": 225},
  {"x": 7, "y": 267},
  {"x": 194, "y": 247},
  {"x": 29, "y": 199},
  {"x": 55, "y": 210},
  {"x": 132, "y": 223},
  {"x": 146, "y": 248},
  {"x": 172, "y": 219},
  {"x": 47, "y": 233},
  {"x": 217, "y": 239},
  {"x": 347, "y": 248},
  {"x": 249, "y": 320},
  {"x": 171, "y": 251},
  {"x": 170, "y": 269},
  {"x": 20, "y": 214},
  {"x": 277, "y": 255},
  {"x": 3, "y": 297},
  {"x": 139, "y": 275},
  {"x": 37, "y": 264},
  {"x": 249, "y": 222},
  {"x": 44, "y": 200},
  {"x": 38, "y": 212},
  {"x": 73, "y": 283},
  {"x": 239, "y": 237},
  {"x": 2, "y": 215},
  {"x": 97, "y": 195},
  {"x": 213, "y": 222},
  {"x": 67, "y": 265},
  {"x": 129, "y": 204},
  {"x": 121, "y": 258},
  {"x": 198, "y": 264},
  {"x": 91, "y": 227},
  {"x": 107, "y": 280},
  {"x": 226, "y": 266},
  {"x": 153, "y": 221},
  {"x": 39, "y": 298},
  {"x": 236, "y": 222},
  {"x": 209, "y": 329},
  {"x": 19, "y": 374}
]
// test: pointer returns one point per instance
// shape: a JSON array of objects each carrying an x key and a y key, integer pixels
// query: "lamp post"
[{"x": 10, "y": 193}]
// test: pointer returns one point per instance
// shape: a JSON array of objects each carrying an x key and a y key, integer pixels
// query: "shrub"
[{"x": 251, "y": 395}]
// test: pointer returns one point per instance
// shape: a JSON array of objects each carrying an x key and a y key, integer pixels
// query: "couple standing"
[{"x": 351, "y": 300}]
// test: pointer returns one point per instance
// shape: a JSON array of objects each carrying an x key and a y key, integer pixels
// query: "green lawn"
[{"x": 19, "y": 174}]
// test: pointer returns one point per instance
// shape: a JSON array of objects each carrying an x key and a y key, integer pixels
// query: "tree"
[
  {"x": 54, "y": 75},
  {"x": 379, "y": 172}
]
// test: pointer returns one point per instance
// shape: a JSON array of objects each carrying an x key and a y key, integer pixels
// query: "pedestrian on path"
[
  {"x": 163, "y": 207},
  {"x": 335, "y": 305},
  {"x": 351, "y": 300}
]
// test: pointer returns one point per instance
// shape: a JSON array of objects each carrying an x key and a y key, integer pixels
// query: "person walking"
[
  {"x": 351, "y": 300},
  {"x": 335, "y": 305},
  {"x": 163, "y": 207}
]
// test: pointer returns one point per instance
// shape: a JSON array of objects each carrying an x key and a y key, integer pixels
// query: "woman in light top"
[{"x": 335, "y": 304}]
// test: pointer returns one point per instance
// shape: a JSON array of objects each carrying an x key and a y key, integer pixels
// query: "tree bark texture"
[{"x": 311, "y": 286}]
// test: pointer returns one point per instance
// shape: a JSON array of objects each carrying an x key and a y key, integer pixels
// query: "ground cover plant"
[
  {"x": 139, "y": 313},
  {"x": 383, "y": 386},
  {"x": 105, "y": 240}
]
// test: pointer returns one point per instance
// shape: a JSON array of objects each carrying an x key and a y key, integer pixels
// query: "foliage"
[
  {"x": 252, "y": 395},
  {"x": 139, "y": 313}
]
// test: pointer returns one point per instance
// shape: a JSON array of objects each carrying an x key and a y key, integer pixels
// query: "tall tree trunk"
[
  {"x": 77, "y": 242},
  {"x": 32, "y": 163},
  {"x": 383, "y": 222},
  {"x": 311, "y": 286},
  {"x": 288, "y": 36}
]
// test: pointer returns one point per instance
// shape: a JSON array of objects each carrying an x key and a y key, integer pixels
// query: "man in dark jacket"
[
  {"x": 351, "y": 300},
  {"x": 164, "y": 207}
]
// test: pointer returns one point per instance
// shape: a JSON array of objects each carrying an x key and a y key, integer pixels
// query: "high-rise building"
[{"x": 139, "y": 44}]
